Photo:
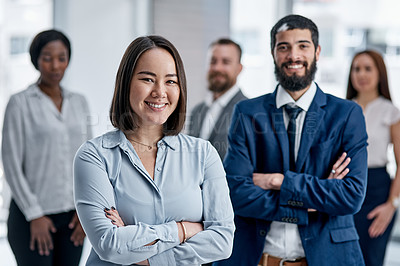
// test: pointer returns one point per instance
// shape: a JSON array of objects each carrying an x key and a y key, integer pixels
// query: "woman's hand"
[
  {"x": 78, "y": 235},
  {"x": 339, "y": 169},
  {"x": 40, "y": 235},
  {"x": 381, "y": 215},
  {"x": 113, "y": 215}
]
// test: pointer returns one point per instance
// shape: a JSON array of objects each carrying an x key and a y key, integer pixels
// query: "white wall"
[
  {"x": 191, "y": 25},
  {"x": 100, "y": 31}
]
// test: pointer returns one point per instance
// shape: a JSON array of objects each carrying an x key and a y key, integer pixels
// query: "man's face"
[
  {"x": 295, "y": 59},
  {"x": 224, "y": 67}
]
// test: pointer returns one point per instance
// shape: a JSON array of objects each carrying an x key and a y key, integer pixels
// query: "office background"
[{"x": 100, "y": 31}]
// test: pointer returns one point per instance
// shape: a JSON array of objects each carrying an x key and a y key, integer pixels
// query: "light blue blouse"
[{"x": 189, "y": 184}]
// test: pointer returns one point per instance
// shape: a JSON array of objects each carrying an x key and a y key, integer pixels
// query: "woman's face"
[
  {"x": 154, "y": 89},
  {"x": 53, "y": 61},
  {"x": 364, "y": 74}
]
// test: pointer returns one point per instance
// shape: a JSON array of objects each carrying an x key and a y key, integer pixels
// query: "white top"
[
  {"x": 283, "y": 239},
  {"x": 380, "y": 115},
  {"x": 39, "y": 144},
  {"x": 214, "y": 110},
  {"x": 189, "y": 184}
]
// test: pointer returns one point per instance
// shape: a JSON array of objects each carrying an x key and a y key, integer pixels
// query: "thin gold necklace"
[{"x": 146, "y": 145}]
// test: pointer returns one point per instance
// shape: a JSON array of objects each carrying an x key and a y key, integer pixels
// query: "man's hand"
[
  {"x": 339, "y": 169},
  {"x": 78, "y": 235},
  {"x": 268, "y": 181},
  {"x": 40, "y": 235}
]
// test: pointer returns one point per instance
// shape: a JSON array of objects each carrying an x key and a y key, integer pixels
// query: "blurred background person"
[
  {"x": 44, "y": 126},
  {"x": 368, "y": 86},
  {"x": 211, "y": 119}
]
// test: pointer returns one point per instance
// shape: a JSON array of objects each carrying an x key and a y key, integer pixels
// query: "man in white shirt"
[{"x": 211, "y": 119}]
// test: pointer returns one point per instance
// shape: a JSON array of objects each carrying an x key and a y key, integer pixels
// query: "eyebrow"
[
  {"x": 154, "y": 75},
  {"x": 301, "y": 41}
]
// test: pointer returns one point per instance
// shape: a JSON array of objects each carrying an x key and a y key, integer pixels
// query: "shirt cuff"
[{"x": 32, "y": 213}]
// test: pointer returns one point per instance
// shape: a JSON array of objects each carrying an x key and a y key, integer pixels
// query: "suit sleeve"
[
  {"x": 335, "y": 197},
  {"x": 248, "y": 199}
]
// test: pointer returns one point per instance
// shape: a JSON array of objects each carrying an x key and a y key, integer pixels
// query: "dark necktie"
[{"x": 293, "y": 112}]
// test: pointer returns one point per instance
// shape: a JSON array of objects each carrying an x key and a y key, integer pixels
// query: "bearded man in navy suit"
[{"x": 293, "y": 198}]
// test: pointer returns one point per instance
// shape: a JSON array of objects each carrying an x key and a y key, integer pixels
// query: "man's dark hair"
[
  {"x": 292, "y": 22},
  {"x": 226, "y": 41}
]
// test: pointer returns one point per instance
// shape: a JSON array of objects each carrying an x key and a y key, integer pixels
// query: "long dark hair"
[
  {"x": 383, "y": 84},
  {"x": 121, "y": 114}
]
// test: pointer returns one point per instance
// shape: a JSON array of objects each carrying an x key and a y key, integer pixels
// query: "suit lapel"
[
  {"x": 200, "y": 120},
  {"x": 314, "y": 117},
  {"x": 279, "y": 128},
  {"x": 222, "y": 119}
]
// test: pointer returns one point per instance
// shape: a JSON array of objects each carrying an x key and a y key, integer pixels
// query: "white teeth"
[
  {"x": 156, "y": 105},
  {"x": 295, "y": 66}
]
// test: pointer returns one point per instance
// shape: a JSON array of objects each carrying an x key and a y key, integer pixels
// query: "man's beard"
[
  {"x": 294, "y": 82},
  {"x": 219, "y": 86}
]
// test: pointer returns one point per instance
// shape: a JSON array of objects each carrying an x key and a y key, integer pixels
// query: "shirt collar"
[
  {"x": 224, "y": 99},
  {"x": 34, "y": 90},
  {"x": 283, "y": 97},
  {"x": 117, "y": 138}
]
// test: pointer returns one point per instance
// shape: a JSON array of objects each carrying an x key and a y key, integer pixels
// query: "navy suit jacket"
[
  {"x": 258, "y": 143},
  {"x": 219, "y": 134}
]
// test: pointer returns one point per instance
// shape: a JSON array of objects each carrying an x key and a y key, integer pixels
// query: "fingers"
[
  {"x": 53, "y": 228},
  {"x": 343, "y": 174},
  {"x": 78, "y": 236},
  {"x": 41, "y": 238},
  {"x": 381, "y": 215},
  {"x": 342, "y": 167},
  {"x": 340, "y": 160},
  {"x": 44, "y": 244},
  {"x": 339, "y": 170},
  {"x": 113, "y": 215},
  {"x": 376, "y": 229},
  {"x": 73, "y": 222}
]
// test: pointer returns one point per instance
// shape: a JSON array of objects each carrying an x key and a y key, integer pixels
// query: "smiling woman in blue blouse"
[{"x": 169, "y": 189}]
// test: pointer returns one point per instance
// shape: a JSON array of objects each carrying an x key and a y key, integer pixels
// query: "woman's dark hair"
[
  {"x": 291, "y": 22},
  {"x": 43, "y": 38},
  {"x": 121, "y": 114},
  {"x": 383, "y": 84}
]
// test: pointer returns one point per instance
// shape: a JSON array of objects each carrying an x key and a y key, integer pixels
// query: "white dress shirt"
[
  {"x": 214, "y": 110},
  {"x": 380, "y": 115},
  {"x": 38, "y": 147},
  {"x": 283, "y": 239}
]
